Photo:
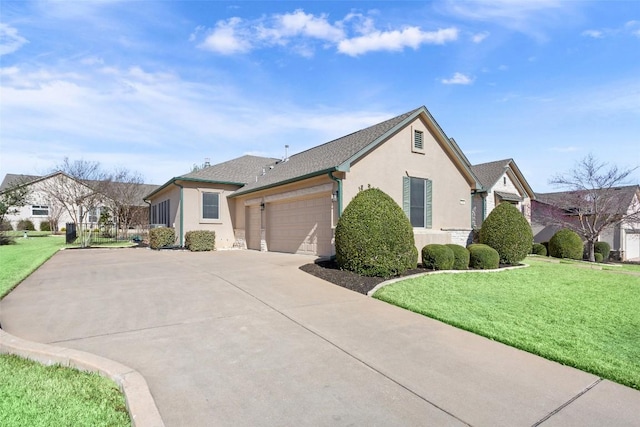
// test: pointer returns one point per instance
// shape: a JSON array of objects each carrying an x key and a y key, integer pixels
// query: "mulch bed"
[{"x": 329, "y": 271}]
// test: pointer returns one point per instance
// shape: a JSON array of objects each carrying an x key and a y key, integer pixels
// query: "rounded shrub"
[
  {"x": 602, "y": 248},
  {"x": 374, "y": 237},
  {"x": 6, "y": 226},
  {"x": 566, "y": 244},
  {"x": 26, "y": 224},
  {"x": 461, "y": 255},
  {"x": 507, "y": 231},
  {"x": 598, "y": 257},
  {"x": 45, "y": 226},
  {"x": 200, "y": 240},
  {"x": 483, "y": 257},
  {"x": 162, "y": 237},
  {"x": 539, "y": 249},
  {"x": 437, "y": 257}
]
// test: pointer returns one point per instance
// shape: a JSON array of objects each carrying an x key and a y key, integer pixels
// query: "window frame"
[
  {"x": 427, "y": 201},
  {"x": 203, "y": 218},
  {"x": 43, "y": 208}
]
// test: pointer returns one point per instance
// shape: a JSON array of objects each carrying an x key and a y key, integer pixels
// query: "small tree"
[
  {"x": 507, "y": 231},
  {"x": 12, "y": 198},
  {"x": 124, "y": 195},
  {"x": 593, "y": 201}
]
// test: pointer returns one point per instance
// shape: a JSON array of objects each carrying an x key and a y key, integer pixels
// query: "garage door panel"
[
  {"x": 632, "y": 245},
  {"x": 253, "y": 225},
  {"x": 301, "y": 226}
]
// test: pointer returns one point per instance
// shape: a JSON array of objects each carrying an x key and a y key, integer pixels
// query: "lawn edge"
[{"x": 140, "y": 405}]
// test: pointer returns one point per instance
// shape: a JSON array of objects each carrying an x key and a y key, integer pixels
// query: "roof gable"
[{"x": 490, "y": 173}]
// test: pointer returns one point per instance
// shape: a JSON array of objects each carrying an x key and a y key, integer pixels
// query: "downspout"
[
  {"x": 181, "y": 211},
  {"x": 339, "y": 181}
]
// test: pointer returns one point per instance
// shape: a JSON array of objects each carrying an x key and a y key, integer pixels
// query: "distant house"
[
  {"x": 292, "y": 205},
  {"x": 41, "y": 208},
  {"x": 501, "y": 181},
  {"x": 549, "y": 210}
]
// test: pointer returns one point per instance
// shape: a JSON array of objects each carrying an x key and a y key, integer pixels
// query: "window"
[
  {"x": 93, "y": 215},
  {"x": 40, "y": 210},
  {"x": 504, "y": 180},
  {"x": 417, "y": 193},
  {"x": 210, "y": 206},
  {"x": 418, "y": 140}
]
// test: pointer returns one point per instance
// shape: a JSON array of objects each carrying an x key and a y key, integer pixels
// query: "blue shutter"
[
  {"x": 428, "y": 208},
  {"x": 406, "y": 196}
]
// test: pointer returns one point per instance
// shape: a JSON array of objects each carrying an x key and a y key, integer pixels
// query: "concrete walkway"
[{"x": 245, "y": 338}]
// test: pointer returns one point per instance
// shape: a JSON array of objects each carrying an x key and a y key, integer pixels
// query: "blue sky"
[{"x": 157, "y": 86}]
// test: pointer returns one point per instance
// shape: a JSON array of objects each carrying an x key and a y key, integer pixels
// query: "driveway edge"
[{"x": 140, "y": 404}]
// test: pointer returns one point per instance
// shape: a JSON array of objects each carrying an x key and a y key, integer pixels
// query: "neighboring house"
[
  {"x": 293, "y": 205},
  {"x": 623, "y": 236},
  {"x": 501, "y": 181},
  {"x": 41, "y": 208}
]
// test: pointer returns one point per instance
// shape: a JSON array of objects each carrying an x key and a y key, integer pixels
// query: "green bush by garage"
[
  {"x": 508, "y": 232},
  {"x": 162, "y": 237},
  {"x": 539, "y": 249},
  {"x": 200, "y": 240},
  {"x": 566, "y": 244},
  {"x": 602, "y": 248},
  {"x": 437, "y": 257},
  {"x": 461, "y": 255},
  {"x": 374, "y": 237}
]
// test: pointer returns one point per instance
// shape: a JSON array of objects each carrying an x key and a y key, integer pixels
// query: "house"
[
  {"x": 501, "y": 181},
  {"x": 42, "y": 205},
  {"x": 551, "y": 210},
  {"x": 292, "y": 205}
]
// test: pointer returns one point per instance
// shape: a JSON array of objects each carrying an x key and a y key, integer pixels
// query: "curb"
[
  {"x": 428, "y": 273},
  {"x": 140, "y": 404}
]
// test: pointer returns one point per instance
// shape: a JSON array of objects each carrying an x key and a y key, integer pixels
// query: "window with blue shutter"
[{"x": 417, "y": 201}]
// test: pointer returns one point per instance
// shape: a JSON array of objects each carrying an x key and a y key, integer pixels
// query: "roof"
[
  {"x": 340, "y": 153},
  {"x": 11, "y": 179},
  {"x": 569, "y": 199},
  {"x": 489, "y": 173},
  {"x": 509, "y": 196}
]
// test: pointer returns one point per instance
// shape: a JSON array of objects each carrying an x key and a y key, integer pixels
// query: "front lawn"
[
  {"x": 35, "y": 395},
  {"x": 580, "y": 317},
  {"x": 21, "y": 259}
]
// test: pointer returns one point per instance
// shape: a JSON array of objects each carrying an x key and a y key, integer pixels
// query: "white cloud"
[
  {"x": 227, "y": 38},
  {"x": 479, "y": 37},
  {"x": 458, "y": 79},
  {"x": 395, "y": 40},
  {"x": 596, "y": 34},
  {"x": 10, "y": 40},
  {"x": 299, "y": 23}
]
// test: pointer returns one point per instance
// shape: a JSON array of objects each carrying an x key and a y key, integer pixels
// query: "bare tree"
[
  {"x": 13, "y": 197},
  {"x": 125, "y": 193},
  {"x": 592, "y": 201},
  {"x": 78, "y": 187}
]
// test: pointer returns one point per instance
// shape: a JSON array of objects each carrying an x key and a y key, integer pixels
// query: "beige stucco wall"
[
  {"x": 385, "y": 167},
  {"x": 492, "y": 199}
]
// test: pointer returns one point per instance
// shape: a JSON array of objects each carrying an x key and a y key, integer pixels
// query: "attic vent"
[
  {"x": 418, "y": 141},
  {"x": 207, "y": 162}
]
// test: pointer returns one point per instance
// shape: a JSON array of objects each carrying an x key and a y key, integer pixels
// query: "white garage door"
[
  {"x": 301, "y": 226},
  {"x": 252, "y": 218},
  {"x": 632, "y": 245}
]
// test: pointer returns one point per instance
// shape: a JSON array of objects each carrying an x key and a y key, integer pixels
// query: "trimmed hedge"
[
  {"x": 539, "y": 249},
  {"x": 45, "y": 226},
  {"x": 200, "y": 240},
  {"x": 374, "y": 237},
  {"x": 598, "y": 257},
  {"x": 25, "y": 224},
  {"x": 602, "y": 248},
  {"x": 437, "y": 257},
  {"x": 461, "y": 255},
  {"x": 162, "y": 237},
  {"x": 507, "y": 231},
  {"x": 483, "y": 257},
  {"x": 566, "y": 244}
]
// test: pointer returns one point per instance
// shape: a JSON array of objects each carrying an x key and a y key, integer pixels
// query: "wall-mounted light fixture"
[
  {"x": 262, "y": 206},
  {"x": 334, "y": 196}
]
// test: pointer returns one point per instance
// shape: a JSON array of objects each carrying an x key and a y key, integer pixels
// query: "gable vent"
[{"x": 418, "y": 140}]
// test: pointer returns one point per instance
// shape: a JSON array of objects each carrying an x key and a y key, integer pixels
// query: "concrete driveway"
[{"x": 246, "y": 338}]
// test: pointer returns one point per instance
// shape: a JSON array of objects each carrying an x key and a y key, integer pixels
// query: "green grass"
[
  {"x": 580, "y": 317},
  {"x": 32, "y": 394},
  {"x": 21, "y": 259}
]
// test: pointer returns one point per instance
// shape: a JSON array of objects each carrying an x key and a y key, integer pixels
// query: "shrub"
[
  {"x": 507, "y": 231},
  {"x": 539, "y": 249},
  {"x": 483, "y": 257},
  {"x": 374, "y": 237},
  {"x": 6, "y": 226},
  {"x": 602, "y": 248},
  {"x": 161, "y": 237},
  {"x": 45, "y": 226},
  {"x": 25, "y": 224},
  {"x": 461, "y": 255},
  {"x": 598, "y": 257},
  {"x": 200, "y": 240},
  {"x": 437, "y": 257},
  {"x": 565, "y": 244}
]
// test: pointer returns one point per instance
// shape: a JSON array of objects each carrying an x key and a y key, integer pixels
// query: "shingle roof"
[
  {"x": 324, "y": 157},
  {"x": 623, "y": 197},
  {"x": 12, "y": 179},
  {"x": 242, "y": 170},
  {"x": 489, "y": 173}
]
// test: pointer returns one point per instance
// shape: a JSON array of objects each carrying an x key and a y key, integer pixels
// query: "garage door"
[
  {"x": 252, "y": 218},
  {"x": 632, "y": 245},
  {"x": 301, "y": 226}
]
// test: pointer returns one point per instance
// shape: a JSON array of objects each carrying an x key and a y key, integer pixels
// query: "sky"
[{"x": 159, "y": 86}]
